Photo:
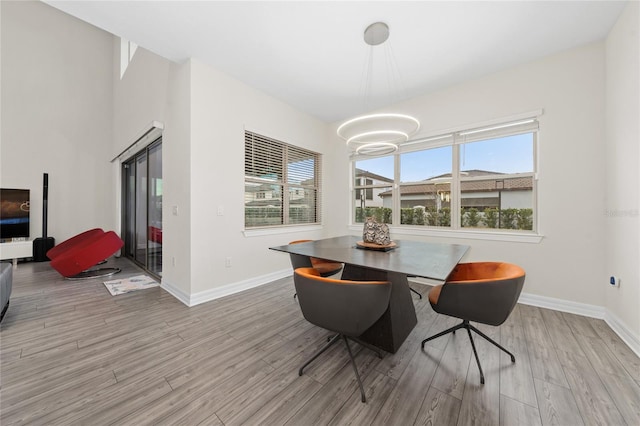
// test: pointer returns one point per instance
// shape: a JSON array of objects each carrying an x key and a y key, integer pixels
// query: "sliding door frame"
[{"x": 129, "y": 209}]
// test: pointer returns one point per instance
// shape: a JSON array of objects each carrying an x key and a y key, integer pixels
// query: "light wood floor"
[{"x": 73, "y": 354}]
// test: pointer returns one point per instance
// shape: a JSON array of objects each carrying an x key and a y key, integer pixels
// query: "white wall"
[
  {"x": 222, "y": 108},
  {"x": 140, "y": 97},
  {"x": 56, "y": 116},
  {"x": 176, "y": 154},
  {"x": 622, "y": 177},
  {"x": 204, "y": 113},
  {"x": 155, "y": 89},
  {"x": 568, "y": 263}
]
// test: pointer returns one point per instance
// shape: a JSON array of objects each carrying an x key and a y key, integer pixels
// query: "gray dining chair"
[
  {"x": 484, "y": 292},
  {"x": 347, "y": 308},
  {"x": 325, "y": 267}
]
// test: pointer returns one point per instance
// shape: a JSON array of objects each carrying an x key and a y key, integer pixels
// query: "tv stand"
[{"x": 16, "y": 250}]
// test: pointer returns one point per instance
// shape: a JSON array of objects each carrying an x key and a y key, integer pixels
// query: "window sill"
[
  {"x": 279, "y": 230},
  {"x": 517, "y": 237}
]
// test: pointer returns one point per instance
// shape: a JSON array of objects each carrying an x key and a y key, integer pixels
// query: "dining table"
[{"x": 394, "y": 262}]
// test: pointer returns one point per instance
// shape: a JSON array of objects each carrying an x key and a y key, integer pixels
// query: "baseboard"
[
  {"x": 568, "y": 306},
  {"x": 629, "y": 337},
  {"x": 175, "y": 291},
  {"x": 226, "y": 290}
]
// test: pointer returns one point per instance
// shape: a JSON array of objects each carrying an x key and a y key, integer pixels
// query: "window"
[
  {"x": 480, "y": 179},
  {"x": 366, "y": 191},
  {"x": 127, "y": 50},
  {"x": 496, "y": 183},
  {"x": 281, "y": 183},
  {"x": 372, "y": 189},
  {"x": 425, "y": 187}
]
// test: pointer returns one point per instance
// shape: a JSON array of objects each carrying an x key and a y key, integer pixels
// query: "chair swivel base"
[
  {"x": 94, "y": 273},
  {"x": 466, "y": 325},
  {"x": 333, "y": 340}
]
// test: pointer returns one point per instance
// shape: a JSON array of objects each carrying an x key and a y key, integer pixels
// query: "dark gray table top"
[{"x": 413, "y": 258}]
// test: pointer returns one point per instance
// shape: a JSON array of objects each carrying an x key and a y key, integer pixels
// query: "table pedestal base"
[{"x": 391, "y": 330}]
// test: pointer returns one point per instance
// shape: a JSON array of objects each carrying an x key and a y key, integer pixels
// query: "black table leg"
[{"x": 391, "y": 330}]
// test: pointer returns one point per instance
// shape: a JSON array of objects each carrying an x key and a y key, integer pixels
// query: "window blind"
[
  {"x": 264, "y": 158},
  {"x": 284, "y": 177},
  {"x": 523, "y": 124},
  {"x": 498, "y": 130}
]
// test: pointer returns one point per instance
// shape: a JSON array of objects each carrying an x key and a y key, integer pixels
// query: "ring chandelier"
[{"x": 377, "y": 134}]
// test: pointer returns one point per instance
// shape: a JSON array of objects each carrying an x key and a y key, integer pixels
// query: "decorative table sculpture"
[{"x": 376, "y": 236}]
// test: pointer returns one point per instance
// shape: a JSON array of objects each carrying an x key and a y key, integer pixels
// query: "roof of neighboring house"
[
  {"x": 466, "y": 173},
  {"x": 367, "y": 174},
  {"x": 429, "y": 186}
]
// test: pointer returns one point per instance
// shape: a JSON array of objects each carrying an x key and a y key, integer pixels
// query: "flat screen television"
[{"x": 14, "y": 213}]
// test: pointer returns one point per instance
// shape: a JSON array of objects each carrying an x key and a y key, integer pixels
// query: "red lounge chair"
[
  {"x": 73, "y": 257},
  {"x": 72, "y": 242},
  {"x": 155, "y": 234}
]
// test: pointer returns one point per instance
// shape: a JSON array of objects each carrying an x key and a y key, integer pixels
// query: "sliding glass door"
[{"x": 142, "y": 208}]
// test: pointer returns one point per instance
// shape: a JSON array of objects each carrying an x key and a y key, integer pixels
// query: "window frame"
[{"x": 522, "y": 124}]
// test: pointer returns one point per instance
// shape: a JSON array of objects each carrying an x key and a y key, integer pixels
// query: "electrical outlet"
[
  {"x": 227, "y": 262},
  {"x": 614, "y": 281}
]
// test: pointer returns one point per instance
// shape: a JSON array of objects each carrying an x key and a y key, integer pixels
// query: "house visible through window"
[
  {"x": 475, "y": 179},
  {"x": 372, "y": 178},
  {"x": 282, "y": 183}
]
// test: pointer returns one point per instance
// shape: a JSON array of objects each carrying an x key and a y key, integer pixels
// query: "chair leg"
[
  {"x": 475, "y": 353},
  {"x": 416, "y": 292},
  {"x": 448, "y": 330},
  {"x": 355, "y": 369},
  {"x": 317, "y": 354},
  {"x": 466, "y": 325},
  {"x": 513, "y": 358}
]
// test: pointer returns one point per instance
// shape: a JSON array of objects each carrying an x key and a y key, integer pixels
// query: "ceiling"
[{"x": 311, "y": 54}]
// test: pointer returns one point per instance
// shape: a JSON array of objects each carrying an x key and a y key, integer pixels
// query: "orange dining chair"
[
  {"x": 484, "y": 292},
  {"x": 326, "y": 268},
  {"x": 347, "y": 308}
]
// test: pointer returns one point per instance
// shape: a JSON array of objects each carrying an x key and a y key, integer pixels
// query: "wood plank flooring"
[{"x": 71, "y": 353}]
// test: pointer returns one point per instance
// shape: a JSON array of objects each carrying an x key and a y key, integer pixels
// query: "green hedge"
[
  {"x": 381, "y": 214},
  {"x": 491, "y": 218},
  {"x": 267, "y": 216}
]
